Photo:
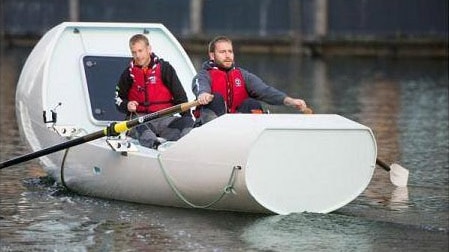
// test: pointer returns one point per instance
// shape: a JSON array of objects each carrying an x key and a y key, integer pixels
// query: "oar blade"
[{"x": 398, "y": 175}]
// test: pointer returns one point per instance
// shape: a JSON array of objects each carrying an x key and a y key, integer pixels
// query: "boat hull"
[
  {"x": 267, "y": 163},
  {"x": 281, "y": 164}
]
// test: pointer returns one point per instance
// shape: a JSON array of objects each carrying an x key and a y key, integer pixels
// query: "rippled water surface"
[{"x": 405, "y": 102}]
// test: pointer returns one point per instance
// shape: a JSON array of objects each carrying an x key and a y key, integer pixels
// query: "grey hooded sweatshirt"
[{"x": 255, "y": 86}]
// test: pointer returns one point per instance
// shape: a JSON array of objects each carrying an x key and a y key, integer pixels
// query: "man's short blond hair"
[{"x": 137, "y": 38}]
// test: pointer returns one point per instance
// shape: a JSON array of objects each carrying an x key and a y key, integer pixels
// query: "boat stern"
[{"x": 320, "y": 165}]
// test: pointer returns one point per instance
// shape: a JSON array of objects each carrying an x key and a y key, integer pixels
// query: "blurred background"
[
  {"x": 395, "y": 28},
  {"x": 383, "y": 63}
]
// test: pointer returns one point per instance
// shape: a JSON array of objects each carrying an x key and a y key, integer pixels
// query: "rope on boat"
[
  {"x": 229, "y": 188},
  {"x": 66, "y": 152},
  {"x": 62, "y": 168}
]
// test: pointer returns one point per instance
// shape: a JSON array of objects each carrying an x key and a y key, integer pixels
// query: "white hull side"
[{"x": 289, "y": 163}]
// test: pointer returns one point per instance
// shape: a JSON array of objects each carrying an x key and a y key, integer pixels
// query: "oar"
[
  {"x": 112, "y": 129},
  {"x": 398, "y": 174},
  {"x": 307, "y": 111}
]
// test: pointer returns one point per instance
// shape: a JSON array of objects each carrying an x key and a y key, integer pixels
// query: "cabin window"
[{"x": 102, "y": 75}]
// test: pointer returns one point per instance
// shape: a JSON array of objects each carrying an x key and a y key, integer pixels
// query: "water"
[{"x": 405, "y": 102}]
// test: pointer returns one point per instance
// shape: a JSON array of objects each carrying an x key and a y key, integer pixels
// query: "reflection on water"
[
  {"x": 404, "y": 102},
  {"x": 399, "y": 198},
  {"x": 331, "y": 232}
]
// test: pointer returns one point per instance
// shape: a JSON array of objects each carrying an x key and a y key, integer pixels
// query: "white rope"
[{"x": 229, "y": 188}]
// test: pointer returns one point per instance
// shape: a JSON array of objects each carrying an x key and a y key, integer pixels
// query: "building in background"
[{"x": 311, "y": 27}]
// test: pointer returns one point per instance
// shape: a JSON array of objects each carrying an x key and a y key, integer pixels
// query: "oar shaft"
[
  {"x": 382, "y": 164},
  {"x": 146, "y": 118},
  {"x": 115, "y": 128},
  {"x": 52, "y": 149}
]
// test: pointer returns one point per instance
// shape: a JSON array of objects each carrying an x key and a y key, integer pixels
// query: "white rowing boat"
[{"x": 270, "y": 163}]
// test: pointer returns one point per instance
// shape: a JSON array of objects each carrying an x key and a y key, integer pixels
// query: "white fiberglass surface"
[{"x": 309, "y": 170}]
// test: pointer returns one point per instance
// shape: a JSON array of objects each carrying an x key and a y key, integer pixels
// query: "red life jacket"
[
  {"x": 148, "y": 89},
  {"x": 230, "y": 85}
]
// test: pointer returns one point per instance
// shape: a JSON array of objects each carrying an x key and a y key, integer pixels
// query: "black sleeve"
[
  {"x": 171, "y": 80},
  {"x": 121, "y": 91}
]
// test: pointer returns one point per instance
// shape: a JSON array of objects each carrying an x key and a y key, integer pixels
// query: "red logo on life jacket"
[{"x": 238, "y": 82}]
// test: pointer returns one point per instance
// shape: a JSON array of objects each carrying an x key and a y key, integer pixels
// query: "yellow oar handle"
[{"x": 116, "y": 128}]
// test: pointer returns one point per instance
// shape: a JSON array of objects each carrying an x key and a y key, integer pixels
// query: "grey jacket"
[{"x": 255, "y": 86}]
